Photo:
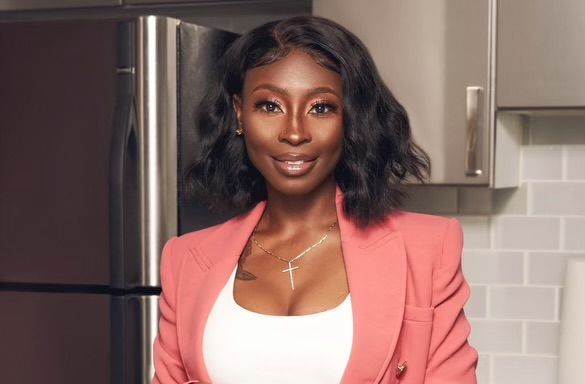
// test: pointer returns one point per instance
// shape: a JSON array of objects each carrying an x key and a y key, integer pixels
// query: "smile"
[{"x": 294, "y": 164}]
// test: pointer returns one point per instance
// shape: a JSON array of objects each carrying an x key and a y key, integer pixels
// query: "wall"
[{"x": 517, "y": 242}]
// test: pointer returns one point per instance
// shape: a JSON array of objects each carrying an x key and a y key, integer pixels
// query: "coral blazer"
[{"x": 407, "y": 294}]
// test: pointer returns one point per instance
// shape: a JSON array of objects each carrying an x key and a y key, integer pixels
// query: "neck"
[{"x": 288, "y": 213}]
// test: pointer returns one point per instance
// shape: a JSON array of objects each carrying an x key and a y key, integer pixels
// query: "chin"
[{"x": 300, "y": 186}]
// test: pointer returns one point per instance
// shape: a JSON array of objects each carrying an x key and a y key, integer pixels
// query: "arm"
[
  {"x": 167, "y": 358},
  {"x": 451, "y": 358}
]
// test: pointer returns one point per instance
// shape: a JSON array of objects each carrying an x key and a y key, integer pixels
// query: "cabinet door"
[
  {"x": 430, "y": 53},
  {"x": 541, "y": 54}
]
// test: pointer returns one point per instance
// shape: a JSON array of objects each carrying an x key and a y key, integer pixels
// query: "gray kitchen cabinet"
[
  {"x": 541, "y": 54},
  {"x": 180, "y": 1},
  {"x": 460, "y": 67},
  {"x": 45, "y": 9},
  {"x": 25, "y": 5}
]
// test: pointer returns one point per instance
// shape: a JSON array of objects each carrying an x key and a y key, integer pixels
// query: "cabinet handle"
[{"x": 472, "y": 121}]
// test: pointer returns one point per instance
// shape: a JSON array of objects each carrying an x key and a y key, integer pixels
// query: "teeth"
[{"x": 298, "y": 162}]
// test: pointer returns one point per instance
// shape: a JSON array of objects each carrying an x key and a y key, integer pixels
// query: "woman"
[{"x": 322, "y": 280}]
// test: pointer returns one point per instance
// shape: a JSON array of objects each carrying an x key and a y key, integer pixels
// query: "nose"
[{"x": 295, "y": 130}]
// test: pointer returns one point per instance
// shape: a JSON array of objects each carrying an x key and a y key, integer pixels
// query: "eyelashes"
[
  {"x": 323, "y": 107},
  {"x": 268, "y": 106},
  {"x": 319, "y": 107}
]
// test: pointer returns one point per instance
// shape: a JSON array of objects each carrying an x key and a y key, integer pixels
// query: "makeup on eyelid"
[{"x": 331, "y": 107}]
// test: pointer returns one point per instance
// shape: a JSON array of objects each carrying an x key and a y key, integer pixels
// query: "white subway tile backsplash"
[
  {"x": 484, "y": 366},
  {"x": 476, "y": 231},
  {"x": 542, "y": 337},
  {"x": 548, "y": 268},
  {"x": 508, "y": 369},
  {"x": 558, "y": 198},
  {"x": 530, "y": 233},
  {"x": 477, "y": 303},
  {"x": 575, "y": 162},
  {"x": 493, "y": 267},
  {"x": 574, "y": 233},
  {"x": 510, "y": 201},
  {"x": 553, "y": 130},
  {"x": 496, "y": 335},
  {"x": 517, "y": 242},
  {"x": 543, "y": 162},
  {"x": 536, "y": 303},
  {"x": 559, "y": 305}
]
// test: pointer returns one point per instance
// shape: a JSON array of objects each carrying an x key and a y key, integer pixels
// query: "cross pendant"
[{"x": 290, "y": 270}]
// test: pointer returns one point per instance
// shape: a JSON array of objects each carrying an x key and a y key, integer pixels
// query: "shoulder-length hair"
[{"x": 378, "y": 153}]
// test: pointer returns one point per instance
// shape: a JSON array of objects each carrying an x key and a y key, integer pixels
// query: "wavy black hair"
[{"x": 378, "y": 153}]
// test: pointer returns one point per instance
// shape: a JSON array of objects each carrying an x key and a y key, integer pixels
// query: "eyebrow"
[{"x": 284, "y": 92}]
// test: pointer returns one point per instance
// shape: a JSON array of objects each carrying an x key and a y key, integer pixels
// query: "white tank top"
[{"x": 245, "y": 347}]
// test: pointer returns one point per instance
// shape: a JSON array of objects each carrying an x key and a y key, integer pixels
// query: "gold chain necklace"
[{"x": 290, "y": 268}]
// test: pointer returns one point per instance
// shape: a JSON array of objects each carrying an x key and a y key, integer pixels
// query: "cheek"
[
  {"x": 331, "y": 137},
  {"x": 260, "y": 129},
  {"x": 257, "y": 143}
]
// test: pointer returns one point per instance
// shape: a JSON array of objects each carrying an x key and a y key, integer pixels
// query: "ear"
[{"x": 237, "y": 104}]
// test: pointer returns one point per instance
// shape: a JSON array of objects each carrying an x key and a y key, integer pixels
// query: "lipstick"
[{"x": 294, "y": 164}]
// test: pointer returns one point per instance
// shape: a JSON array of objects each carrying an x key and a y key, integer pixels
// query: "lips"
[
  {"x": 294, "y": 157},
  {"x": 294, "y": 164}
]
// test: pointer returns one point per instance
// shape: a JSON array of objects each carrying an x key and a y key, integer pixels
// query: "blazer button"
[{"x": 401, "y": 368}]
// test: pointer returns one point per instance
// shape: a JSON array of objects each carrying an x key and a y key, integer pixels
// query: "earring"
[{"x": 239, "y": 131}]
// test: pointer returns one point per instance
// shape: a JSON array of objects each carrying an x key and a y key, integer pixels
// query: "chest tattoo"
[{"x": 241, "y": 273}]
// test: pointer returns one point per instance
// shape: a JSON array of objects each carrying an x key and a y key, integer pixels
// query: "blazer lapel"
[
  {"x": 375, "y": 261},
  {"x": 198, "y": 291}
]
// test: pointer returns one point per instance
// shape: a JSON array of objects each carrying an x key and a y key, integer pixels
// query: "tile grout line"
[
  {"x": 528, "y": 199},
  {"x": 523, "y": 336},
  {"x": 525, "y": 259},
  {"x": 522, "y": 249},
  {"x": 558, "y": 304},
  {"x": 509, "y": 320},
  {"x": 492, "y": 233},
  {"x": 491, "y": 369},
  {"x": 488, "y": 307},
  {"x": 562, "y": 234},
  {"x": 564, "y": 163},
  {"x": 552, "y": 181},
  {"x": 521, "y": 285}
]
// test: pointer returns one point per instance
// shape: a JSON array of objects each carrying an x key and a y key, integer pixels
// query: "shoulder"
[
  {"x": 429, "y": 227},
  {"x": 180, "y": 247},
  {"x": 434, "y": 235}
]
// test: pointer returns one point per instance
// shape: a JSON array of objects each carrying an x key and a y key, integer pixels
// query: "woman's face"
[{"x": 291, "y": 113}]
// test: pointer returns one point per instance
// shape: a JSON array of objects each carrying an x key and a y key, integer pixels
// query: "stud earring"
[{"x": 239, "y": 131}]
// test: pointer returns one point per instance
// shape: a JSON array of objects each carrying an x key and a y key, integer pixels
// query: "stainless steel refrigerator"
[{"x": 97, "y": 127}]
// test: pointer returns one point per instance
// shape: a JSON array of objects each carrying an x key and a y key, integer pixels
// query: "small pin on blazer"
[{"x": 401, "y": 368}]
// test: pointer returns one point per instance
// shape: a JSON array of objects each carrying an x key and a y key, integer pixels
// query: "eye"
[
  {"x": 322, "y": 108},
  {"x": 268, "y": 106}
]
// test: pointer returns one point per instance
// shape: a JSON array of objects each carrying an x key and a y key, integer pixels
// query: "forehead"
[{"x": 297, "y": 71}]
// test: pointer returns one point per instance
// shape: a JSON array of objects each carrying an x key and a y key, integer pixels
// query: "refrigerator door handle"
[
  {"x": 123, "y": 206},
  {"x": 156, "y": 104},
  {"x": 135, "y": 319},
  {"x": 149, "y": 315}
]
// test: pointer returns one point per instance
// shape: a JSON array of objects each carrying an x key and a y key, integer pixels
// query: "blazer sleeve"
[
  {"x": 168, "y": 363},
  {"x": 451, "y": 358}
]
